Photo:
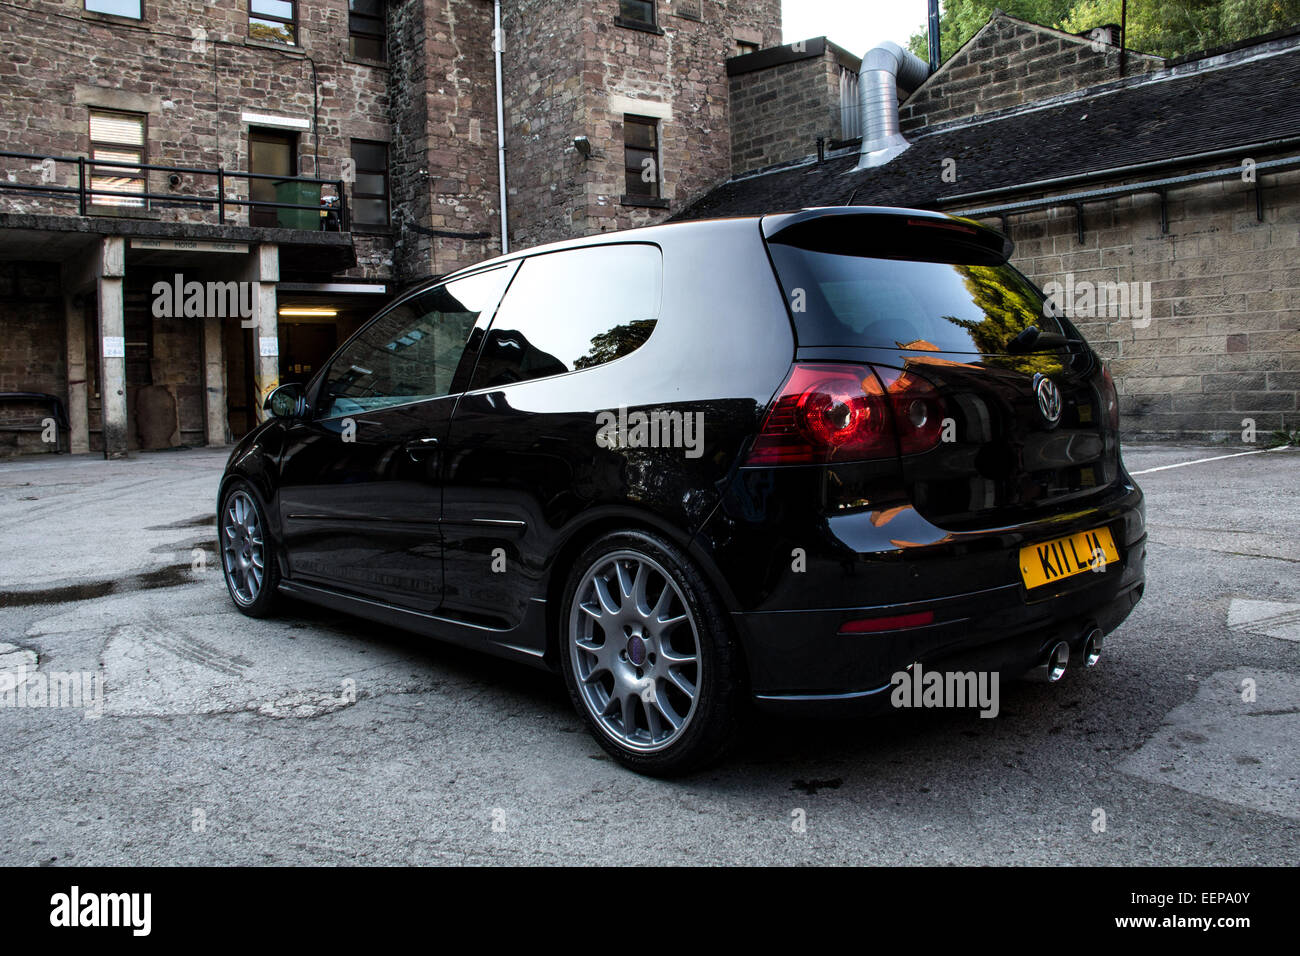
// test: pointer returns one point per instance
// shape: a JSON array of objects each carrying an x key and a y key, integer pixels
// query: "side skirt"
[{"x": 525, "y": 643}]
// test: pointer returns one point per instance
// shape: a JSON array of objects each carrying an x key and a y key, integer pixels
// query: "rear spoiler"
[{"x": 883, "y": 232}]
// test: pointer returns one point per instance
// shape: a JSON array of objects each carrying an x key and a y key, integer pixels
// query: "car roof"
[{"x": 769, "y": 223}]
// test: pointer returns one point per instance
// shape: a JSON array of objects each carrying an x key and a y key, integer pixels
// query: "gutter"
[
  {"x": 1160, "y": 187},
  {"x": 1117, "y": 172}
]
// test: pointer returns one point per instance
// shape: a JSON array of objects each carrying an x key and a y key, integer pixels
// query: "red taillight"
[
  {"x": 918, "y": 410},
  {"x": 834, "y": 413},
  {"x": 825, "y": 413},
  {"x": 898, "y": 622}
]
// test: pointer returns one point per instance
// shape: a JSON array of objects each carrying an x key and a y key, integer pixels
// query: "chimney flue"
[{"x": 885, "y": 69}]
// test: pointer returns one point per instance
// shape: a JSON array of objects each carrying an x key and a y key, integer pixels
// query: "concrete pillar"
[
  {"x": 78, "y": 419},
  {"x": 112, "y": 344},
  {"x": 214, "y": 381},
  {"x": 263, "y": 271}
]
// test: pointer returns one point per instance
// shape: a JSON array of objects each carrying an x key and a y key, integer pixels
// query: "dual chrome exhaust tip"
[
  {"x": 1092, "y": 647},
  {"x": 1057, "y": 659}
]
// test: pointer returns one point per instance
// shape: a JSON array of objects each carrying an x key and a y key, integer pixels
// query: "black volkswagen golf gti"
[{"x": 774, "y": 460}]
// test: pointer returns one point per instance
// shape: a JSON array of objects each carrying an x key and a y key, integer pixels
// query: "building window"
[
  {"x": 366, "y": 31},
  {"x": 121, "y": 8},
  {"x": 637, "y": 11},
  {"x": 275, "y": 21},
  {"x": 370, "y": 190},
  {"x": 641, "y": 156},
  {"x": 118, "y": 138},
  {"x": 743, "y": 47}
]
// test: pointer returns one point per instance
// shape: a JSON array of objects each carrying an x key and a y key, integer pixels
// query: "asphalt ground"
[{"x": 313, "y": 738}]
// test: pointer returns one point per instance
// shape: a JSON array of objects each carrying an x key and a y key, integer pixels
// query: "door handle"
[{"x": 421, "y": 447}]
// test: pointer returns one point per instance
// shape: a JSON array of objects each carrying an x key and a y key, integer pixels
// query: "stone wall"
[
  {"x": 191, "y": 67},
  {"x": 570, "y": 69},
  {"x": 1009, "y": 63},
  {"x": 783, "y": 101},
  {"x": 674, "y": 73},
  {"x": 444, "y": 150},
  {"x": 1221, "y": 341}
]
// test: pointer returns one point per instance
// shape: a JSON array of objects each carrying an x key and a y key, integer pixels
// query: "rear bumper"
[
  {"x": 805, "y": 666},
  {"x": 799, "y": 660}
]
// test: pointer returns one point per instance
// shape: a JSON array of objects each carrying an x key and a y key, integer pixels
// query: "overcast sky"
[{"x": 856, "y": 25}]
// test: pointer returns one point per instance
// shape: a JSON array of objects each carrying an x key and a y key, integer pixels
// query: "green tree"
[
  {"x": 1164, "y": 27},
  {"x": 618, "y": 341}
]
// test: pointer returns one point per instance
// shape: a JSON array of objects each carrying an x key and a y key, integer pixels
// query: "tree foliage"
[{"x": 1163, "y": 27}]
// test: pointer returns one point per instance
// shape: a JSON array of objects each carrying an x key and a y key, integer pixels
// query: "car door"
[
  {"x": 361, "y": 478},
  {"x": 522, "y": 455}
]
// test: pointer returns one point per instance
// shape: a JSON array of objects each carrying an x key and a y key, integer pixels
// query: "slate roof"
[{"x": 1245, "y": 102}]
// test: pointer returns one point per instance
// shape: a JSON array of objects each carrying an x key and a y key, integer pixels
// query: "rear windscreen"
[{"x": 840, "y": 300}]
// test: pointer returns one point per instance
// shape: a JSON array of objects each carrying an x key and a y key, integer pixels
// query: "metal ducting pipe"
[{"x": 886, "y": 69}]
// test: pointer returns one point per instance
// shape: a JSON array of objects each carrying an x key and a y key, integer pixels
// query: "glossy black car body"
[{"x": 461, "y": 515}]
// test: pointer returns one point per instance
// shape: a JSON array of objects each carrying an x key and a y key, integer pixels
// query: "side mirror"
[{"x": 287, "y": 401}]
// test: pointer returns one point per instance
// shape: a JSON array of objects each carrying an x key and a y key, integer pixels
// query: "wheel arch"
[{"x": 597, "y": 523}]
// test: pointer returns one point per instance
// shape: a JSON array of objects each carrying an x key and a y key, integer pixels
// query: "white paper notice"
[
  {"x": 114, "y": 346},
  {"x": 270, "y": 346}
]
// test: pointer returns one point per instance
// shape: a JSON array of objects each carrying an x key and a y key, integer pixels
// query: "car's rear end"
[{"x": 937, "y": 480}]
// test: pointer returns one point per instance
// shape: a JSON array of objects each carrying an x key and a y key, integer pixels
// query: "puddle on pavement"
[
  {"x": 187, "y": 547},
  {"x": 199, "y": 521},
  {"x": 167, "y": 577}
]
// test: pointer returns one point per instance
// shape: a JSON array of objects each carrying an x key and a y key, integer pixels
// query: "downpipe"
[{"x": 498, "y": 46}]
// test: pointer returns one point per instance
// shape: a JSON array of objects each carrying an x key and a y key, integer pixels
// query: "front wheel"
[
  {"x": 648, "y": 655},
  {"x": 247, "y": 551}
]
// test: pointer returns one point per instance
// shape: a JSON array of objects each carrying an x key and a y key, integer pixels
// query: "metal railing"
[{"x": 85, "y": 192}]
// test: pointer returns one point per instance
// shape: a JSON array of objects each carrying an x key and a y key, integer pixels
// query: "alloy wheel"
[
  {"x": 635, "y": 651},
  {"x": 242, "y": 548}
]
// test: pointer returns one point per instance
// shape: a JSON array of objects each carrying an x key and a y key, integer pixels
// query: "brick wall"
[
  {"x": 569, "y": 71},
  {"x": 61, "y": 61},
  {"x": 676, "y": 75},
  {"x": 779, "y": 112},
  {"x": 1009, "y": 63},
  {"x": 1223, "y": 340},
  {"x": 444, "y": 151}
]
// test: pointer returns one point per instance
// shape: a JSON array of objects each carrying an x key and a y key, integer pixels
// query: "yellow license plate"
[{"x": 1050, "y": 561}]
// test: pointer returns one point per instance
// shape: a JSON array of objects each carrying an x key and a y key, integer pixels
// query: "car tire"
[
  {"x": 249, "y": 561},
  {"x": 648, "y": 655}
]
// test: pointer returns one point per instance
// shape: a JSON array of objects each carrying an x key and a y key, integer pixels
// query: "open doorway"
[{"x": 270, "y": 153}]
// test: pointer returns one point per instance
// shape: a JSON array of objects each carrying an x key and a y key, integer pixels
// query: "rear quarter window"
[
  {"x": 851, "y": 300},
  {"x": 572, "y": 310}
]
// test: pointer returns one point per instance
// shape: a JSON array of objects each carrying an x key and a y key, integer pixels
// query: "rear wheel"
[
  {"x": 247, "y": 551},
  {"x": 648, "y": 655}
]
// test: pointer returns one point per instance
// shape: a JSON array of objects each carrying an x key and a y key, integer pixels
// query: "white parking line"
[{"x": 1201, "y": 461}]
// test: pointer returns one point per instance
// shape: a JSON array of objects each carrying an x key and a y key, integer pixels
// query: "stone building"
[
  {"x": 146, "y": 304},
  {"x": 1168, "y": 189}
]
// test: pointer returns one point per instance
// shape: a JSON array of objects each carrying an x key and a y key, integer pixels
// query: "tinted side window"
[
  {"x": 410, "y": 352},
  {"x": 572, "y": 310}
]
